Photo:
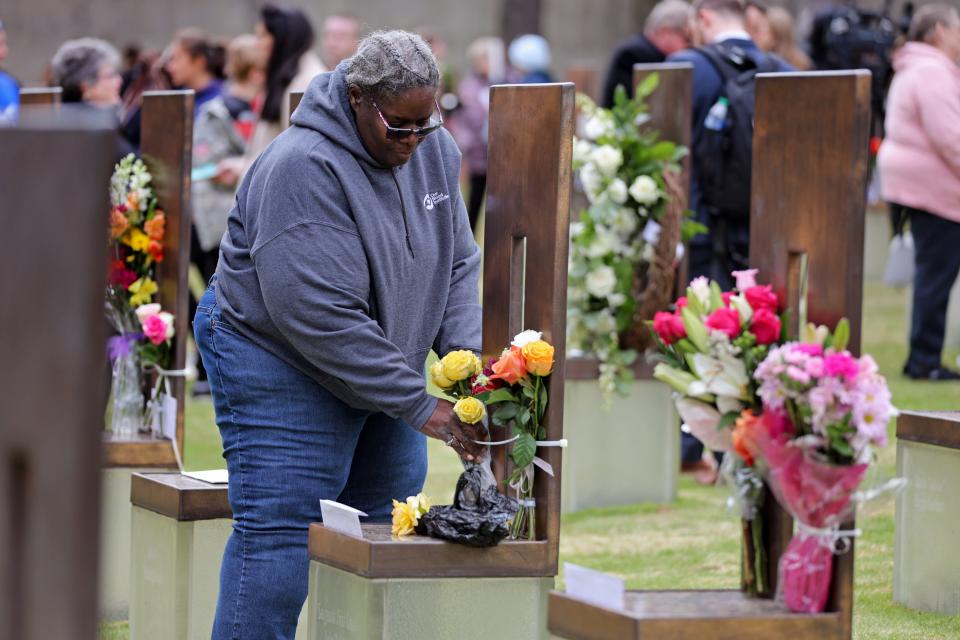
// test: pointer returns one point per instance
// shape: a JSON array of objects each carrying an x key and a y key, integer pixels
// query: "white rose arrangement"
[{"x": 620, "y": 165}]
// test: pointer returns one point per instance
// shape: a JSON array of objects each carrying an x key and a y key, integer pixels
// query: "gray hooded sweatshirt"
[{"x": 348, "y": 271}]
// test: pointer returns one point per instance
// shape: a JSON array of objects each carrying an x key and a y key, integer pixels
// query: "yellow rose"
[
  {"x": 469, "y": 410},
  {"x": 405, "y": 518},
  {"x": 539, "y": 357},
  {"x": 460, "y": 365},
  {"x": 423, "y": 503},
  {"x": 436, "y": 375}
]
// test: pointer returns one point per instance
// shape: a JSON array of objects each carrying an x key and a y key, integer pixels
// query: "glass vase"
[{"x": 126, "y": 390}]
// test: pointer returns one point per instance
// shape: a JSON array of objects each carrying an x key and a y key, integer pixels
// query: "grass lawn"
[{"x": 694, "y": 543}]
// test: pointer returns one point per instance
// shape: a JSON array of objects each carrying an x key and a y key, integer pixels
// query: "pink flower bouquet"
[{"x": 824, "y": 410}]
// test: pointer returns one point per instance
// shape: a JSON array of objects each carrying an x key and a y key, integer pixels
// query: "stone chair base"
[
  {"x": 179, "y": 530},
  {"x": 627, "y": 455},
  {"x": 115, "y": 517},
  {"x": 345, "y": 605},
  {"x": 928, "y": 513}
]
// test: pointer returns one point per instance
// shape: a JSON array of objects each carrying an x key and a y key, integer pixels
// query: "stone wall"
[{"x": 579, "y": 30}]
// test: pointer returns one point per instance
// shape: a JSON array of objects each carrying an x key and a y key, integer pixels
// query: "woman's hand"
[
  {"x": 228, "y": 171},
  {"x": 444, "y": 426}
]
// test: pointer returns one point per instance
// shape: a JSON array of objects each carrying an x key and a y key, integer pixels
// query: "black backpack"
[{"x": 723, "y": 158}]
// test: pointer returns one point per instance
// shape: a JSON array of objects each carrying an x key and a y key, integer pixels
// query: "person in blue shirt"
[
  {"x": 530, "y": 56},
  {"x": 9, "y": 89},
  {"x": 196, "y": 62},
  {"x": 721, "y": 22}
]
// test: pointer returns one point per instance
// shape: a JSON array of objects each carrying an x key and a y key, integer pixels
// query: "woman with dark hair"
[
  {"x": 286, "y": 40},
  {"x": 196, "y": 62},
  {"x": 337, "y": 276}
]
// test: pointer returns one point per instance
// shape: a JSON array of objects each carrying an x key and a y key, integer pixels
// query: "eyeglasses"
[{"x": 398, "y": 133}]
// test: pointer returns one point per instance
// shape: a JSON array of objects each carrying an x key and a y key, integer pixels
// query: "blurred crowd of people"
[{"x": 242, "y": 90}]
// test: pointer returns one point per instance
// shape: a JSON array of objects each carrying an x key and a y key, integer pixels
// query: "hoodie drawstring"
[{"x": 403, "y": 209}]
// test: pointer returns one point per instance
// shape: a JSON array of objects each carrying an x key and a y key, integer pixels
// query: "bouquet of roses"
[
  {"x": 823, "y": 411},
  {"x": 144, "y": 331},
  {"x": 709, "y": 348},
  {"x": 516, "y": 385},
  {"x": 624, "y": 245}
]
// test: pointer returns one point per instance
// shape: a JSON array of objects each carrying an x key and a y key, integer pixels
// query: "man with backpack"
[{"x": 724, "y": 70}]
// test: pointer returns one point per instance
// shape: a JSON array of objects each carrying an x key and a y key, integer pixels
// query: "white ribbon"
[
  {"x": 170, "y": 373},
  {"x": 537, "y": 461},
  {"x": 838, "y": 540}
]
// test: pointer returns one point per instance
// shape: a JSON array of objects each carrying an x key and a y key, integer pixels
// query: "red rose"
[
  {"x": 725, "y": 320},
  {"x": 762, "y": 297},
  {"x": 669, "y": 327},
  {"x": 765, "y": 326}
]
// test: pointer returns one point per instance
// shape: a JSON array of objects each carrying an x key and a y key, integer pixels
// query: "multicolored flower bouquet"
[
  {"x": 514, "y": 387},
  {"x": 823, "y": 412},
  {"x": 710, "y": 346},
  {"x": 624, "y": 247},
  {"x": 144, "y": 330}
]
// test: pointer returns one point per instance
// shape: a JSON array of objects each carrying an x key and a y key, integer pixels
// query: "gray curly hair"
[
  {"x": 389, "y": 62},
  {"x": 78, "y": 62}
]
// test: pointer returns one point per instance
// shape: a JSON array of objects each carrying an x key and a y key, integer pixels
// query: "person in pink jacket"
[{"x": 919, "y": 165}]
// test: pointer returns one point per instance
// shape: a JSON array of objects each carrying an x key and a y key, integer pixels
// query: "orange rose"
[
  {"x": 743, "y": 438},
  {"x": 511, "y": 366},
  {"x": 133, "y": 202},
  {"x": 155, "y": 226},
  {"x": 118, "y": 224},
  {"x": 539, "y": 357}
]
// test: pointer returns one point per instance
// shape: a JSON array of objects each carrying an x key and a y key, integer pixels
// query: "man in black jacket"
[{"x": 666, "y": 31}]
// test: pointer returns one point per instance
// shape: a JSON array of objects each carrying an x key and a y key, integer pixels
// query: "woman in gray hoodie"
[{"x": 347, "y": 257}]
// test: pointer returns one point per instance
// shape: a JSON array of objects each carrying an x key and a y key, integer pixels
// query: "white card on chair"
[
  {"x": 342, "y": 518},
  {"x": 594, "y": 587},
  {"x": 213, "y": 476}
]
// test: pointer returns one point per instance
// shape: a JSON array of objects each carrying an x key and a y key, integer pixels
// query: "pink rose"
[
  {"x": 155, "y": 329},
  {"x": 726, "y": 295},
  {"x": 765, "y": 326},
  {"x": 680, "y": 303},
  {"x": 841, "y": 364},
  {"x": 762, "y": 297},
  {"x": 745, "y": 279},
  {"x": 669, "y": 327},
  {"x": 725, "y": 320}
]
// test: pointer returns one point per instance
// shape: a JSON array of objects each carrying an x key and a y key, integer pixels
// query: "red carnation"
[
  {"x": 725, "y": 320},
  {"x": 762, "y": 297},
  {"x": 669, "y": 327},
  {"x": 765, "y": 326}
]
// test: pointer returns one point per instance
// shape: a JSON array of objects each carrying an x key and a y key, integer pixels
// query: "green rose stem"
[{"x": 524, "y": 523}]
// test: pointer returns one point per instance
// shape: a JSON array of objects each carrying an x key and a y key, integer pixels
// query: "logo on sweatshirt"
[{"x": 431, "y": 200}]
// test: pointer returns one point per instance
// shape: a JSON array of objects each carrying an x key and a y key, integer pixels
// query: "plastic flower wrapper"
[
  {"x": 824, "y": 411},
  {"x": 480, "y": 515}
]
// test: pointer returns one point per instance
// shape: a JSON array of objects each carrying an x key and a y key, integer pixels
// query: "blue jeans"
[{"x": 289, "y": 443}]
